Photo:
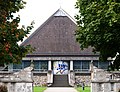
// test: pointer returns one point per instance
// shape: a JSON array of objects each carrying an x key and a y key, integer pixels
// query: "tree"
[
  {"x": 99, "y": 27},
  {"x": 11, "y": 33}
]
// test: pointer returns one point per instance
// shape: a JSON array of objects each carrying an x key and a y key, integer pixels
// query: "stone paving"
[{"x": 60, "y": 89}]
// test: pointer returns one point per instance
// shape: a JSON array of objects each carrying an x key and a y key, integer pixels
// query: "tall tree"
[
  {"x": 11, "y": 33},
  {"x": 99, "y": 27}
]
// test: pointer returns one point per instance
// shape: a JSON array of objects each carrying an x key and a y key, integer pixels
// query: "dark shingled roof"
[{"x": 56, "y": 37}]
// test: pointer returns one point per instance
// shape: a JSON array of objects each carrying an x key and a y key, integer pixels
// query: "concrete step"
[{"x": 60, "y": 81}]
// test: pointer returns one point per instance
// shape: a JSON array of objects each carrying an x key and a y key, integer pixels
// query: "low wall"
[
  {"x": 104, "y": 81},
  {"x": 19, "y": 81},
  {"x": 40, "y": 79},
  {"x": 80, "y": 78},
  {"x": 18, "y": 87}
]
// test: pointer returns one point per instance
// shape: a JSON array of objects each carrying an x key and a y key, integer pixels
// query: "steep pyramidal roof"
[{"x": 56, "y": 37}]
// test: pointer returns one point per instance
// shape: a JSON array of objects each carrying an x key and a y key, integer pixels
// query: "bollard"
[{"x": 83, "y": 86}]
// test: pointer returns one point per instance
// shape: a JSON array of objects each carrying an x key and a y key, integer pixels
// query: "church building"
[{"x": 58, "y": 59}]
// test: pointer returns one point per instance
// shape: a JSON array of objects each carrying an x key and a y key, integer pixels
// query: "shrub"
[{"x": 3, "y": 88}]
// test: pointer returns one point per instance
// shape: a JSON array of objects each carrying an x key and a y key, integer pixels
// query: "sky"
[{"x": 40, "y": 10}]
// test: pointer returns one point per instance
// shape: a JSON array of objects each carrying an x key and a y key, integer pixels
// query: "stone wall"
[
  {"x": 18, "y": 87},
  {"x": 80, "y": 78},
  {"x": 40, "y": 79},
  {"x": 19, "y": 81},
  {"x": 110, "y": 86},
  {"x": 117, "y": 87},
  {"x": 104, "y": 81}
]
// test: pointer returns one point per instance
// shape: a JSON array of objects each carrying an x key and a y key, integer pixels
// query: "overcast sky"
[{"x": 41, "y": 10}]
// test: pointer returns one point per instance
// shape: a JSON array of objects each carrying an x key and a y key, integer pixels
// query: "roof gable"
[
  {"x": 56, "y": 37},
  {"x": 60, "y": 12}
]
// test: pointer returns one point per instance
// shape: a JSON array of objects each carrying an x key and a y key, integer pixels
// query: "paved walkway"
[{"x": 60, "y": 89}]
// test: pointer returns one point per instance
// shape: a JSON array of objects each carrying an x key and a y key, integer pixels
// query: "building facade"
[{"x": 58, "y": 54}]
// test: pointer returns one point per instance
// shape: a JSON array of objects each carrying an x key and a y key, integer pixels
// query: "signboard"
[{"x": 60, "y": 67}]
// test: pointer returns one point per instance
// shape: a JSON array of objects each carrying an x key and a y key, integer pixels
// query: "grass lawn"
[
  {"x": 39, "y": 89},
  {"x": 79, "y": 89}
]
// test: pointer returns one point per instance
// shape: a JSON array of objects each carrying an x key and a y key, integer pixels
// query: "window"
[
  {"x": 103, "y": 65},
  {"x": 40, "y": 65},
  {"x": 44, "y": 64},
  {"x": 82, "y": 65},
  {"x": 85, "y": 65},
  {"x": 77, "y": 65},
  {"x": 26, "y": 63},
  {"x": 17, "y": 67},
  {"x": 23, "y": 64},
  {"x": 36, "y": 65},
  {"x": 95, "y": 63}
]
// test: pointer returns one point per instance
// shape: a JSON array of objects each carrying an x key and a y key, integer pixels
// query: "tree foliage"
[
  {"x": 11, "y": 33},
  {"x": 99, "y": 27}
]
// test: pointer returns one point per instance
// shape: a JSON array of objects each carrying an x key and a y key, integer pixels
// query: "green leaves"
[
  {"x": 11, "y": 33},
  {"x": 98, "y": 26}
]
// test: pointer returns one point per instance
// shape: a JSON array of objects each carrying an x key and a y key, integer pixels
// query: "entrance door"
[{"x": 60, "y": 67}]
